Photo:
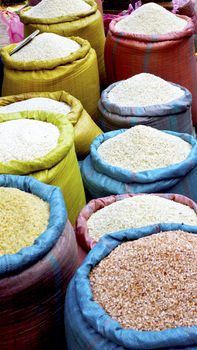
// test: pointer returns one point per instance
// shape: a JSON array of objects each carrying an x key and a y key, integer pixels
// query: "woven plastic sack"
[
  {"x": 59, "y": 167},
  {"x": 34, "y": 280},
  {"x": 85, "y": 130},
  {"x": 88, "y": 26},
  {"x": 174, "y": 116},
  {"x": 88, "y": 326},
  {"x": 99, "y": 4},
  {"x": 77, "y": 74},
  {"x": 102, "y": 179},
  {"x": 81, "y": 228},
  {"x": 130, "y": 54},
  {"x": 186, "y": 8}
]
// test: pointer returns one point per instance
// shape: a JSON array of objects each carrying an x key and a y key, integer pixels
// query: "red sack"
[
  {"x": 85, "y": 242},
  {"x": 32, "y": 302},
  {"x": 170, "y": 56}
]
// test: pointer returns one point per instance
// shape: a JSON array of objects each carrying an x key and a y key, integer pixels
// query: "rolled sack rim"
[
  {"x": 81, "y": 228},
  {"x": 56, "y": 155},
  {"x": 148, "y": 176},
  {"x": 57, "y": 20},
  {"x": 36, "y": 65},
  {"x": 101, "y": 322},
  {"x": 58, "y": 96},
  {"x": 175, "y": 106},
  {"x": 25, "y": 257},
  {"x": 185, "y": 32}
]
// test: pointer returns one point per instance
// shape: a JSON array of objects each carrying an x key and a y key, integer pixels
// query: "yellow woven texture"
[
  {"x": 85, "y": 130},
  {"x": 77, "y": 74},
  {"x": 59, "y": 167},
  {"x": 89, "y": 27}
]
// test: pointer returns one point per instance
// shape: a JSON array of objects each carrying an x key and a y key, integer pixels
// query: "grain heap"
[
  {"x": 23, "y": 217},
  {"x": 144, "y": 148},
  {"x": 58, "y": 8},
  {"x": 151, "y": 19},
  {"x": 26, "y": 139},
  {"x": 144, "y": 90},
  {"x": 150, "y": 283},
  {"x": 46, "y": 46},
  {"x": 37, "y": 103},
  {"x": 138, "y": 211}
]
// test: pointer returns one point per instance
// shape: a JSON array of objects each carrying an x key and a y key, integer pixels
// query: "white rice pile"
[
  {"x": 151, "y": 19},
  {"x": 144, "y": 148},
  {"x": 137, "y": 212},
  {"x": 58, "y": 8},
  {"x": 144, "y": 90},
  {"x": 46, "y": 46},
  {"x": 37, "y": 104},
  {"x": 26, "y": 139}
]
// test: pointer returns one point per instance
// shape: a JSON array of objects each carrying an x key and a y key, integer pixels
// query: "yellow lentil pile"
[{"x": 23, "y": 217}]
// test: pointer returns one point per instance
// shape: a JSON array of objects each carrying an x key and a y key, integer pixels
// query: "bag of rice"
[
  {"x": 151, "y": 34},
  {"x": 114, "y": 213},
  {"x": 50, "y": 63},
  {"x": 59, "y": 102},
  {"x": 42, "y": 145},
  {"x": 99, "y": 4},
  {"x": 69, "y": 18},
  {"x": 135, "y": 290},
  {"x": 140, "y": 160},
  {"x": 146, "y": 100},
  {"x": 37, "y": 246}
]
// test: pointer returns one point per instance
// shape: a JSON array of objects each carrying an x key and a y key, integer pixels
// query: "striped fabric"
[{"x": 169, "y": 56}]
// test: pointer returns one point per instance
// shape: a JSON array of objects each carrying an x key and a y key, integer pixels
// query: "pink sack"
[
  {"x": 186, "y": 8},
  {"x": 15, "y": 28}
]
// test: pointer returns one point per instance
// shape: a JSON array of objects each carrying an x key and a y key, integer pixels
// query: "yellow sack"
[
  {"x": 88, "y": 26},
  {"x": 85, "y": 130},
  {"x": 76, "y": 73},
  {"x": 59, "y": 167}
]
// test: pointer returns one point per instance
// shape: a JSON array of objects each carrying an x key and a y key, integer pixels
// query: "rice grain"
[
  {"x": 151, "y": 19},
  {"x": 144, "y": 148},
  {"x": 23, "y": 217},
  {"x": 26, "y": 139},
  {"x": 138, "y": 211},
  {"x": 39, "y": 104},
  {"x": 144, "y": 90},
  {"x": 58, "y": 8},
  {"x": 150, "y": 283},
  {"x": 46, "y": 46}
]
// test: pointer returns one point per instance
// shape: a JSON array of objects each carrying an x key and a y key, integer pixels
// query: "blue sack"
[
  {"x": 88, "y": 326},
  {"x": 102, "y": 179},
  {"x": 174, "y": 116},
  {"x": 26, "y": 257}
]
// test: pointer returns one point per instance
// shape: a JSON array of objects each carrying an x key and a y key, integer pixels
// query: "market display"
[{"x": 98, "y": 173}]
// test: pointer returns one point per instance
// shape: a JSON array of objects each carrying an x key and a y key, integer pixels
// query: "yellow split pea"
[{"x": 23, "y": 217}]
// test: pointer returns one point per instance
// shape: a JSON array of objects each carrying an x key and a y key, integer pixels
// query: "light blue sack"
[
  {"x": 101, "y": 179},
  {"x": 26, "y": 257},
  {"x": 88, "y": 326},
  {"x": 174, "y": 116}
]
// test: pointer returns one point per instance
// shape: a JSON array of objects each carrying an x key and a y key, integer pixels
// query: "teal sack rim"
[
  {"x": 149, "y": 176},
  {"x": 26, "y": 257},
  {"x": 176, "y": 106},
  {"x": 101, "y": 322}
]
